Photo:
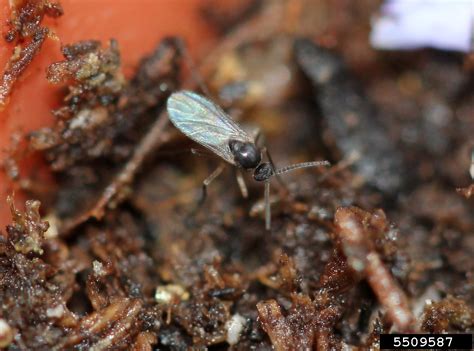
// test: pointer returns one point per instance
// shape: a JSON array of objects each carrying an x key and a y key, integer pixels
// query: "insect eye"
[
  {"x": 246, "y": 155},
  {"x": 263, "y": 172}
]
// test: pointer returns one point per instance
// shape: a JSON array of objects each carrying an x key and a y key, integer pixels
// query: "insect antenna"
[
  {"x": 301, "y": 165},
  {"x": 268, "y": 216}
]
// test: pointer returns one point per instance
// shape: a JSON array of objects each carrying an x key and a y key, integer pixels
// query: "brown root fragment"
[
  {"x": 288, "y": 274},
  {"x": 123, "y": 328},
  {"x": 98, "y": 287},
  {"x": 389, "y": 293},
  {"x": 27, "y": 231},
  {"x": 323, "y": 342},
  {"x": 113, "y": 324},
  {"x": 25, "y": 24},
  {"x": 27, "y": 16},
  {"x": 150, "y": 142},
  {"x": 283, "y": 276},
  {"x": 338, "y": 276},
  {"x": 293, "y": 331},
  {"x": 352, "y": 231},
  {"x": 273, "y": 322},
  {"x": 18, "y": 63},
  {"x": 325, "y": 339},
  {"x": 335, "y": 282}
]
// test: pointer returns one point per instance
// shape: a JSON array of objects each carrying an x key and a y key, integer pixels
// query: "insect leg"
[
  {"x": 208, "y": 181},
  {"x": 242, "y": 185},
  {"x": 259, "y": 140},
  {"x": 277, "y": 176},
  {"x": 268, "y": 215},
  {"x": 202, "y": 152}
]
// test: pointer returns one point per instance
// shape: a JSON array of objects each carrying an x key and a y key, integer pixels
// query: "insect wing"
[{"x": 205, "y": 123}]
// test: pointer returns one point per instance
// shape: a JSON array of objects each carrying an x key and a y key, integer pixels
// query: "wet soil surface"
[{"x": 118, "y": 257}]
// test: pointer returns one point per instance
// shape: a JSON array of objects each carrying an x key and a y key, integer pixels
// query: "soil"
[{"x": 118, "y": 257}]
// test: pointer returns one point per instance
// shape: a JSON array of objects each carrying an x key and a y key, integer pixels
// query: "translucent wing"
[{"x": 205, "y": 123}]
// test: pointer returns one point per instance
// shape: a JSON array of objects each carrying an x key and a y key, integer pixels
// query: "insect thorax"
[{"x": 246, "y": 154}]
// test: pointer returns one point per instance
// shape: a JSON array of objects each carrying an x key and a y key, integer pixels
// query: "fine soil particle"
[{"x": 119, "y": 257}]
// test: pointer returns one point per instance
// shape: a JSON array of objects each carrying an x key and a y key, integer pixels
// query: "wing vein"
[{"x": 205, "y": 123}]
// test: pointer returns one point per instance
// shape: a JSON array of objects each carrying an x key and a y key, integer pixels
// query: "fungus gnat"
[{"x": 207, "y": 124}]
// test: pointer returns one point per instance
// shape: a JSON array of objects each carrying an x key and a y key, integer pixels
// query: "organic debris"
[
  {"x": 28, "y": 35},
  {"x": 380, "y": 242},
  {"x": 447, "y": 314},
  {"x": 103, "y": 116},
  {"x": 27, "y": 232}
]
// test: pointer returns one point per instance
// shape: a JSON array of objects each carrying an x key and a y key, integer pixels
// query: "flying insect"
[{"x": 207, "y": 124}]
